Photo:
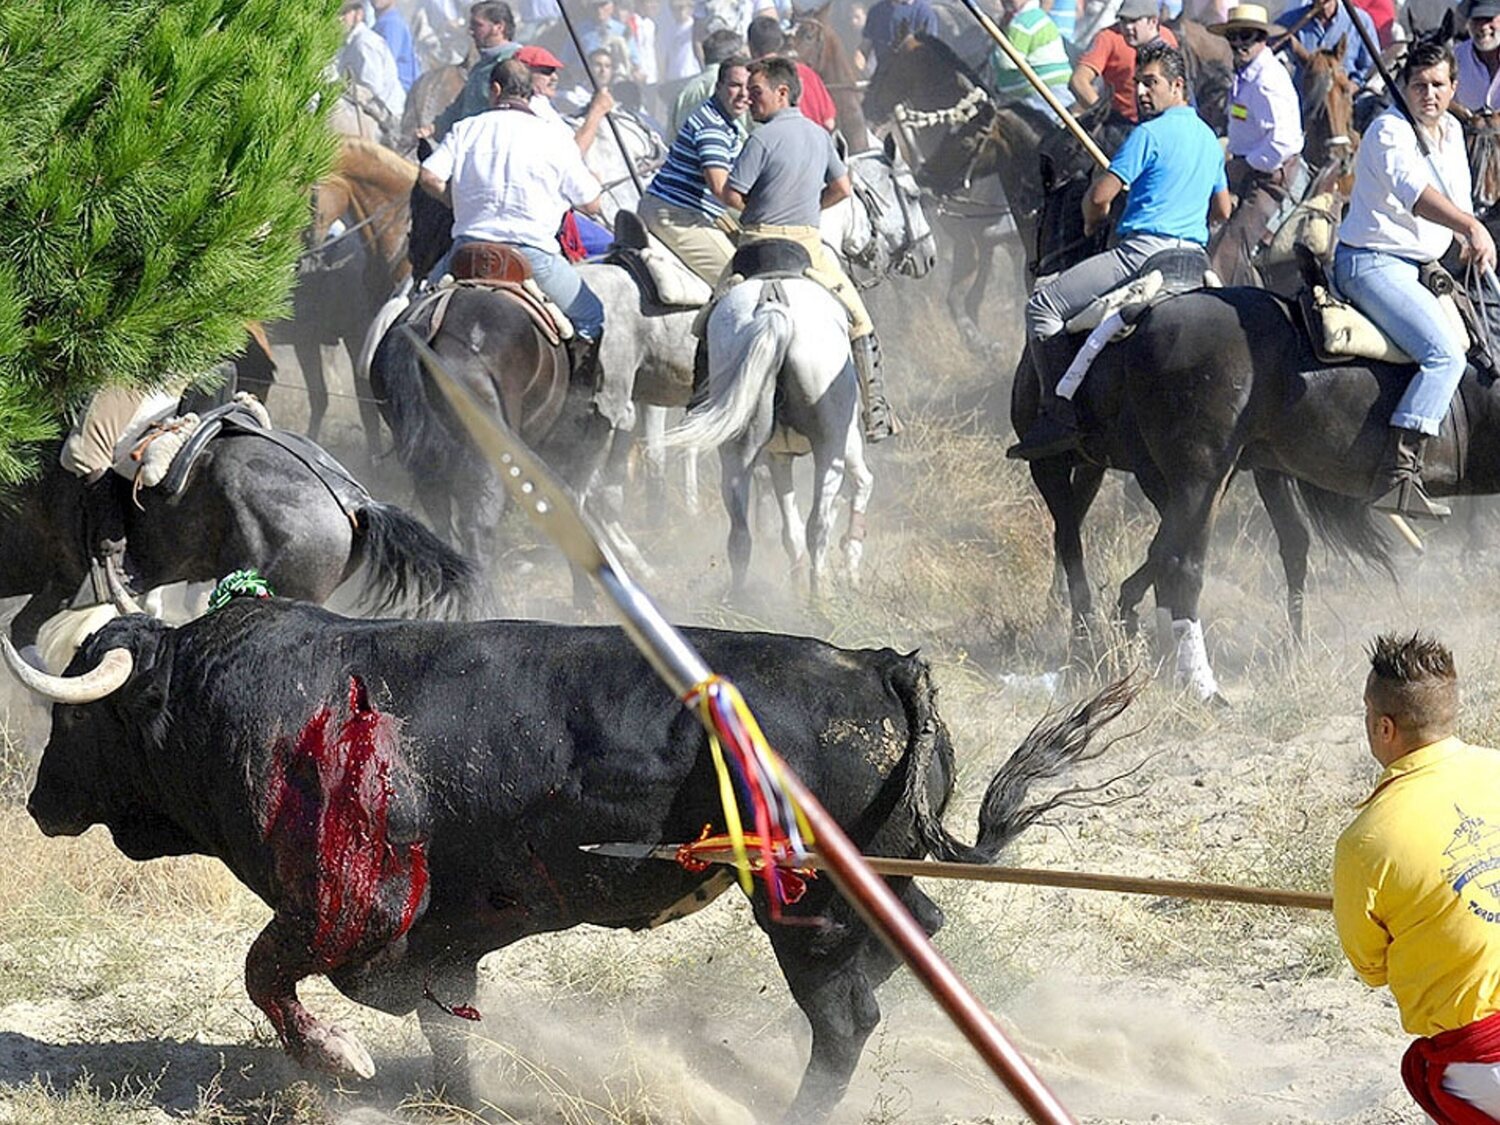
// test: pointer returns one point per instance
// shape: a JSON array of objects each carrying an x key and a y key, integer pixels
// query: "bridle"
[{"x": 868, "y": 257}]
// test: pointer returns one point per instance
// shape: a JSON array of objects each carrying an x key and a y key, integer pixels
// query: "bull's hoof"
[{"x": 334, "y": 1051}]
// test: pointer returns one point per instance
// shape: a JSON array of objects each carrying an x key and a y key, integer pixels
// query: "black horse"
[
  {"x": 1215, "y": 381},
  {"x": 284, "y": 507}
]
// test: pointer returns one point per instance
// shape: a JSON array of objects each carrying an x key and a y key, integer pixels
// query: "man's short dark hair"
[
  {"x": 764, "y": 36},
  {"x": 780, "y": 71},
  {"x": 1412, "y": 680},
  {"x": 496, "y": 11},
  {"x": 1427, "y": 52},
  {"x": 1165, "y": 56},
  {"x": 719, "y": 45},
  {"x": 514, "y": 79}
]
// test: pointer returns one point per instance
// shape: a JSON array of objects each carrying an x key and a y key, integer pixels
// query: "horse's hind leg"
[
  {"x": 1292, "y": 540},
  {"x": 859, "y": 503},
  {"x": 793, "y": 539},
  {"x": 828, "y": 482},
  {"x": 735, "y": 464},
  {"x": 310, "y": 360},
  {"x": 1182, "y": 548}
]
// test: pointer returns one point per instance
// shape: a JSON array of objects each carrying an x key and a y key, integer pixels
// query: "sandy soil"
[{"x": 122, "y": 984}]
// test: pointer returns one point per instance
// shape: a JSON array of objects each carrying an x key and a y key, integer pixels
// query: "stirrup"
[
  {"x": 880, "y": 422},
  {"x": 1409, "y": 498}
]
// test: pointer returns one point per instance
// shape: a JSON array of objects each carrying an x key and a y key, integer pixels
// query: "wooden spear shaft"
[
  {"x": 1019, "y": 60},
  {"x": 1077, "y": 880}
]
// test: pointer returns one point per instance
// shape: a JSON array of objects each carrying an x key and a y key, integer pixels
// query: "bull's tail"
[
  {"x": 737, "y": 386},
  {"x": 1053, "y": 745},
  {"x": 410, "y": 569}
]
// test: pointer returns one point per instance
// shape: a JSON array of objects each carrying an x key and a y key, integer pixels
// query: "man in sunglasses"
[{"x": 1265, "y": 142}]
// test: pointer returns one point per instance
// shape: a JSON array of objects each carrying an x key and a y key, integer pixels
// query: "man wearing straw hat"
[
  {"x": 1416, "y": 900},
  {"x": 1174, "y": 169},
  {"x": 1265, "y": 142}
]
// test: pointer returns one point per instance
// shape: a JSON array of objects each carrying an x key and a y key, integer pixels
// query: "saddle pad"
[
  {"x": 1136, "y": 293},
  {"x": 1340, "y": 331},
  {"x": 676, "y": 286}
]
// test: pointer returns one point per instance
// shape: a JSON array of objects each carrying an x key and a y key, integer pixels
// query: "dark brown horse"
[{"x": 819, "y": 46}]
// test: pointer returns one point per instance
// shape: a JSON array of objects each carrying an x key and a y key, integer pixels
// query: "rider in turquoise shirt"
[{"x": 1174, "y": 169}]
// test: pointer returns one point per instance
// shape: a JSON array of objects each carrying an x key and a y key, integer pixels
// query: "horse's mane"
[{"x": 356, "y": 149}]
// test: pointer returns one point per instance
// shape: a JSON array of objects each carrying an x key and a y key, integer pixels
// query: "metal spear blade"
[{"x": 531, "y": 484}]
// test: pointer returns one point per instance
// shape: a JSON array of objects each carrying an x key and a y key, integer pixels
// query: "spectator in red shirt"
[
  {"x": 1111, "y": 56},
  {"x": 765, "y": 37}
]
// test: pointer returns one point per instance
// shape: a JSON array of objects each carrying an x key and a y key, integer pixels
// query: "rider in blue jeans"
[{"x": 1403, "y": 214}]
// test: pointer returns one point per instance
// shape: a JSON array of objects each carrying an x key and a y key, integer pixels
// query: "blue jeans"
[
  {"x": 556, "y": 277},
  {"x": 1386, "y": 289}
]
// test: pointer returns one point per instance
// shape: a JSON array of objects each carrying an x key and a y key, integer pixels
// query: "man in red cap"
[{"x": 545, "y": 67}]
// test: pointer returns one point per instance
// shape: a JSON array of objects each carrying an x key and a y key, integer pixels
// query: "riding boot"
[
  {"x": 875, "y": 412},
  {"x": 1055, "y": 429},
  {"x": 1398, "y": 482},
  {"x": 583, "y": 358}
]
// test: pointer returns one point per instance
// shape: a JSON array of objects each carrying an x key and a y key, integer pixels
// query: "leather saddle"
[
  {"x": 489, "y": 262},
  {"x": 771, "y": 257},
  {"x": 661, "y": 276},
  {"x": 1164, "y": 274}
]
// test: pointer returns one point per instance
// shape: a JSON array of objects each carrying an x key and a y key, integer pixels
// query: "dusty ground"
[{"x": 120, "y": 991}]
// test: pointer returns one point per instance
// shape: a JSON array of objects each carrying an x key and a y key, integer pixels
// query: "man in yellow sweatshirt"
[{"x": 1416, "y": 881}]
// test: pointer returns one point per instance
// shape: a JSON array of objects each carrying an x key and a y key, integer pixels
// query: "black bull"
[{"x": 408, "y": 796}]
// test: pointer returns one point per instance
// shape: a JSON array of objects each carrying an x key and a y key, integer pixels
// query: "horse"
[
  {"x": 432, "y": 92},
  {"x": 1214, "y": 381},
  {"x": 779, "y": 361},
  {"x": 355, "y": 258},
  {"x": 283, "y": 506},
  {"x": 645, "y": 360},
  {"x": 819, "y": 46}
]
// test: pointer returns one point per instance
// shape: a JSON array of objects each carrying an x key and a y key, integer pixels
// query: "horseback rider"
[
  {"x": 1265, "y": 142},
  {"x": 1403, "y": 213},
  {"x": 683, "y": 205},
  {"x": 1321, "y": 26},
  {"x": 1478, "y": 59},
  {"x": 511, "y": 177},
  {"x": 491, "y": 25},
  {"x": 786, "y": 173},
  {"x": 545, "y": 68},
  {"x": 1174, "y": 169},
  {"x": 365, "y": 59}
]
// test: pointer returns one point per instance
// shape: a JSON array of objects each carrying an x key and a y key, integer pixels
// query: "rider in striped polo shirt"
[
  {"x": 682, "y": 206},
  {"x": 1035, "y": 36}
]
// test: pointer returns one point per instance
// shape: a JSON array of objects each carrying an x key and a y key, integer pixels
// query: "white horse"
[{"x": 781, "y": 383}]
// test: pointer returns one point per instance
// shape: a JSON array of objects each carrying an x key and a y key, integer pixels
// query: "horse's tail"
[
  {"x": 410, "y": 569},
  {"x": 1053, "y": 745},
  {"x": 1347, "y": 524},
  {"x": 737, "y": 386},
  {"x": 412, "y": 407}
]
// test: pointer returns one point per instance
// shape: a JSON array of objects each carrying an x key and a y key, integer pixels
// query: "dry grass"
[{"x": 591, "y": 1024}]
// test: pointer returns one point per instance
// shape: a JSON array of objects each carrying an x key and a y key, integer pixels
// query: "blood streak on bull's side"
[{"x": 328, "y": 822}]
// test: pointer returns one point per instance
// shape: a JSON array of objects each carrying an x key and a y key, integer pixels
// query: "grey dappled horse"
[
  {"x": 248, "y": 502},
  {"x": 779, "y": 360}
]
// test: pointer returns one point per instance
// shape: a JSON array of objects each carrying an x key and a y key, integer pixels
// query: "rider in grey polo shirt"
[{"x": 785, "y": 175}]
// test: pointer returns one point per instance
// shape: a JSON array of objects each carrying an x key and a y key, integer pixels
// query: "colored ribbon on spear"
[{"x": 542, "y": 496}]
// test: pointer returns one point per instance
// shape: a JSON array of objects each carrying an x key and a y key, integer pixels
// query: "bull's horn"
[
  {"x": 94, "y": 684},
  {"x": 117, "y": 591}
]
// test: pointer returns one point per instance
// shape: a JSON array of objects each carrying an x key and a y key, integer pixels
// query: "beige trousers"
[
  {"x": 695, "y": 238},
  {"x": 826, "y": 270}
]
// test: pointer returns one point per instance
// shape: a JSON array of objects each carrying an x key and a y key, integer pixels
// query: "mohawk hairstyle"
[{"x": 1413, "y": 680}]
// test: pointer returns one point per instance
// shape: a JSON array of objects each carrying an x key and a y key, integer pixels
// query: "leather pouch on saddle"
[
  {"x": 764, "y": 259},
  {"x": 662, "y": 276},
  {"x": 1164, "y": 274}
]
